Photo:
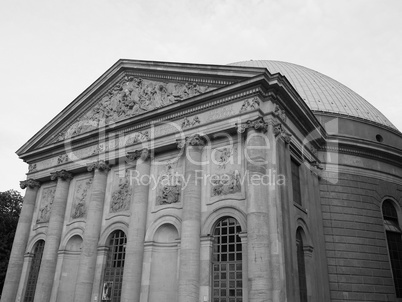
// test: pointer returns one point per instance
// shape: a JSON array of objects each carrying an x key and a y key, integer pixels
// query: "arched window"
[
  {"x": 394, "y": 241},
  {"x": 113, "y": 276},
  {"x": 227, "y": 285},
  {"x": 34, "y": 271},
  {"x": 301, "y": 266}
]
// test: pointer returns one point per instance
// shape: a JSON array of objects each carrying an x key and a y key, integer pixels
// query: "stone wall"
[{"x": 358, "y": 262}]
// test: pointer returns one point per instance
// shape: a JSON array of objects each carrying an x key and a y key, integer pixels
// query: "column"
[
  {"x": 92, "y": 230},
  {"x": 258, "y": 254},
  {"x": 131, "y": 289},
  {"x": 16, "y": 261},
  {"x": 278, "y": 216},
  {"x": 53, "y": 236},
  {"x": 287, "y": 218},
  {"x": 189, "y": 268}
]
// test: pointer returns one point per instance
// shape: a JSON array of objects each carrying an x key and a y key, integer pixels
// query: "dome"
[{"x": 322, "y": 93}]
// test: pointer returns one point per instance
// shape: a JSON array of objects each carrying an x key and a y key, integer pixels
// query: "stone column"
[
  {"x": 278, "y": 219},
  {"x": 131, "y": 289},
  {"x": 258, "y": 253},
  {"x": 189, "y": 269},
  {"x": 86, "y": 271},
  {"x": 53, "y": 237},
  {"x": 287, "y": 216},
  {"x": 16, "y": 261}
]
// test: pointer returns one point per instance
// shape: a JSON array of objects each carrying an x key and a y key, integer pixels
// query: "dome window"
[{"x": 379, "y": 138}]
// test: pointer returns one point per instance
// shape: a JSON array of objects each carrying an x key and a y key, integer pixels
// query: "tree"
[{"x": 10, "y": 208}]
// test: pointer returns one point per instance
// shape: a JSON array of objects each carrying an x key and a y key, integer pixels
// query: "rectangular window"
[{"x": 296, "y": 182}]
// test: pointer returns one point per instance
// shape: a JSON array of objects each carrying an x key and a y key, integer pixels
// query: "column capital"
[
  {"x": 62, "y": 174},
  {"x": 195, "y": 140},
  {"x": 100, "y": 165},
  {"x": 257, "y": 124},
  {"x": 144, "y": 154},
  {"x": 280, "y": 132},
  {"x": 31, "y": 183}
]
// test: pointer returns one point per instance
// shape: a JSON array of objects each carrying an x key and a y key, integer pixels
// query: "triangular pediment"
[
  {"x": 130, "y": 97},
  {"x": 130, "y": 89}
]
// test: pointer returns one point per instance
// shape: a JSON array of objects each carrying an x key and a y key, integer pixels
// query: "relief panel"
[
  {"x": 46, "y": 203},
  {"x": 81, "y": 198}
]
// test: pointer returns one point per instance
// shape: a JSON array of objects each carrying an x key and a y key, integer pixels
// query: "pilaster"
[
  {"x": 189, "y": 269},
  {"x": 131, "y": 289},
  {"x": 86, "y": 272}
]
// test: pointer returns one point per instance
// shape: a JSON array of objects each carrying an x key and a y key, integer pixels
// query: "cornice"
[{"x": 366, "y": 151}]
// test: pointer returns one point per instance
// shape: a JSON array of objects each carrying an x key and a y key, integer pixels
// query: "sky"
[{"x": 51, "y": 51}]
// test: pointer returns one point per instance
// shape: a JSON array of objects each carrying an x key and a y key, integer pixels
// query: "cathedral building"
[{"x": 254, "y": 181}]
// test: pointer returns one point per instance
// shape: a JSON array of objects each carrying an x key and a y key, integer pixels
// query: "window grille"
[
  {"x": 227, "y": 283},
  {"x": 394, "y": 242},
  {"x": 113, "y": 275},
  {"x": 34, "y": 271}
]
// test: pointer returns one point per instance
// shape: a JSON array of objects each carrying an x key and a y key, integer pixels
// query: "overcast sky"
[{"x": 50, "y": 51}]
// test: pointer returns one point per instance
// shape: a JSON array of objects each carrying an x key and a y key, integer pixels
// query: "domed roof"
[{"x": 322, "y": 93}]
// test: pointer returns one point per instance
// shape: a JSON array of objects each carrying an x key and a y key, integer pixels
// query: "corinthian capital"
[
  {"x": 31, "y": 183},
  {"x": 62, "y": 174},
  {"x": 144, "y": 154},
  {"x": 257, "y": 124},
  {"x": 100, "y": 165},
  {"x": 195, "y": 140}
]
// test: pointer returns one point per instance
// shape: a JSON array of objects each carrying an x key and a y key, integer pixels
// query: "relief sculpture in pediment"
[{"x": 132, "y": 96}]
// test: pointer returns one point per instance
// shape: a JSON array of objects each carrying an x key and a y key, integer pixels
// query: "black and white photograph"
[{"x": 201, "y": 151}]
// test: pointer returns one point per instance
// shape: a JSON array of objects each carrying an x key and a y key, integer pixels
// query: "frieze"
[
  {"x": 187, "y": 123},
  {"x": 131, "y": 97},
  {"x": 32, "y": 168},
  {"x": 250, "y": 104},
  {"x": 122, "y": 195},
  {"x": 63, "y": 158},
  {"x": 79, "y": 209},
  {"x": 224, "y": 184},
  {"x": 220, "y": 113},
  {"x": 46, "y": 204}
]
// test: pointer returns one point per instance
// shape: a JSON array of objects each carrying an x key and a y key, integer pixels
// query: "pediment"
[
  {"x": 131, "y": 96},
  {"x": 130, "y": 89}
]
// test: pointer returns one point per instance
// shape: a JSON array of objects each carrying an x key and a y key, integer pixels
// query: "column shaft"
[
  {"x": 259, "y": 265},
  {"x": 86, "y": 271},
  {"x": 131, "y": 289},
  {"x": 189, "y": 269},
  {"x": 21, "y": 237},
  {"x": 53, "y": 237}
]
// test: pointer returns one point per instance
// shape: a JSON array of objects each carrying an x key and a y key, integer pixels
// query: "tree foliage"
[{"x": 10, "y": 208}]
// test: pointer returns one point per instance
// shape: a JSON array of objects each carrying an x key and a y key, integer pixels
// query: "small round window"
[{"x": 379, "y": 138}]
